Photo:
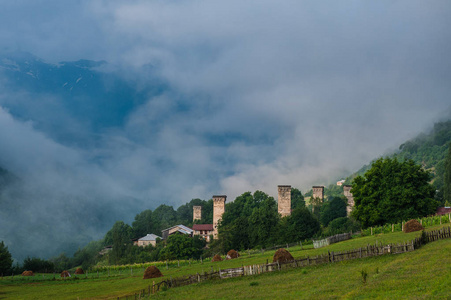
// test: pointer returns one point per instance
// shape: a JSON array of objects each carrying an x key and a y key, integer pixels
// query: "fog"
[{"x": 299, "y": 93}]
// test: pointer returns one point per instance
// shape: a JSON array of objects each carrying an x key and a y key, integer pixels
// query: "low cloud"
[{"x": 298, "y": 93}]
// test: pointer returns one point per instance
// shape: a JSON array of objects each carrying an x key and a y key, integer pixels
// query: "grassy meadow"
[{"x": 424, "y": 273}]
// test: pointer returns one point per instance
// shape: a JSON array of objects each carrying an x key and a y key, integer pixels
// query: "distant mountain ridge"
[{"x": 84, "y": 91}]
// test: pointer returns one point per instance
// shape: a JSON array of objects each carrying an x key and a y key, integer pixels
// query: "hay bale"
[
  {"x": 65, "y": 274},
  {"x": 282, "y": 255},
  {"x": 217, "y": 257},
  {"x": 232, "y": 254},
  {"x": 412, "y": 225},
  {"x": 152, "y": 272},
  {"x": 79, "y": 271},
  {"x": 27, "y": 273}
]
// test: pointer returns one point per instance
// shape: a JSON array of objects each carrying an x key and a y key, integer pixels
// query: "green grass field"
[{"x": 425, "y": 273}]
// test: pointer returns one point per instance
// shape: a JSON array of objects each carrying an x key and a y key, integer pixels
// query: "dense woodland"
[{"x": 422, "y": 164}]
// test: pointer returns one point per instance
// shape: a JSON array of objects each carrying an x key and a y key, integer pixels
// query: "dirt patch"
[
  {"x": 232, "y": 254},
  {"x": 27, "y": 273},
  {"x": 412, "y": 225},
  {"x": 65, "y": 274},
  {"x": 217, "y": 257},
  {"x": 282, "y": 255},
  {"x": 152, "y": 272},
  {"x": 79, "y": 271}
]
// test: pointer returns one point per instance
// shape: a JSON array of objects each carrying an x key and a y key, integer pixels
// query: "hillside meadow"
[{"x": 424, "y": 273}]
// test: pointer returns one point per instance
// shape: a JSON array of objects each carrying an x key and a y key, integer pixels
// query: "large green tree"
[
  {"x": 6, "y": 261},
  {"x": 297, "y": 200},
  {"x": 447, "y": 178},
  {"x": 392, "y": 191},
  {"x": 180, "y": 246},
  {"x": 300, "y": 225},
  {"x": 333, "y": 209}
]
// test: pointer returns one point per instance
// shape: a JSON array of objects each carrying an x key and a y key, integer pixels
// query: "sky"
[{"x": 262, "y": 93}]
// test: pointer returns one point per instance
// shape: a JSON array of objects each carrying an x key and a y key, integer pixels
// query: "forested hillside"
[{"x": 428, "y": 150}]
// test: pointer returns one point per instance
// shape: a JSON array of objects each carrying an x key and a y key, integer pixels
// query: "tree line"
[{"x": 390, "y": 191}]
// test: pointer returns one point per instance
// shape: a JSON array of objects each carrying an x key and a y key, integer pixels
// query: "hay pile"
[
  {"x": 411, "y": 226},
  {"x": 282, "y": 255},
  {"x": 232, "y": 254},
  {"x": 79, "y": 271},
  {"x": 152, "y": 272},
  {"x": 27, "y": 273},
  {"x": 65, "y": 274},
  {"x": 217, "y": 257}
]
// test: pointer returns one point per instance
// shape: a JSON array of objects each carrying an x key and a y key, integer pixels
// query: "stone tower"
[
  {"x": 197, "y": 213},
  {"x": 218, "y": 210},
  {"x": 284, "y": 200},
  {"x": 348, "y": 195},
  {"x": 318, "y": 192}
]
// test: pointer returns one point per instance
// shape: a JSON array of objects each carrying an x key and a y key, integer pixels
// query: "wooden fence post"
[{"x": 371, "y": 230}]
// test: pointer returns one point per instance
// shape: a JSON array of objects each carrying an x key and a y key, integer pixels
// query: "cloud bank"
[{"x": 260, "y": 94}]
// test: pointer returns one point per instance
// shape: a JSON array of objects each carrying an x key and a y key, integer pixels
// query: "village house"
[
  {"x": 177, "y": 229},
  {"x": 204, "y": 230},
  {"x": 149, "y": 239}
]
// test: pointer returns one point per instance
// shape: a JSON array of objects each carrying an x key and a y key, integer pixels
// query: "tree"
[
  {"x": 447, "y": 177},
  {"x": 119, "y": 236},
  {"x": 392, "y": 191},
  {"x": 6, "y": 262},
  {"x": 143, "y": 224},
  {"x": 300, "y": 225},
  {"x": 263, "y": 223},
  {"x": 180, "y": 246},
  {"x": 297, "y": 200},
  {"x": 333, "y": 209}
]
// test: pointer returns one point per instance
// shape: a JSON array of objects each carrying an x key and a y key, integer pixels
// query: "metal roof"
[{"x": 149, "y": 237}]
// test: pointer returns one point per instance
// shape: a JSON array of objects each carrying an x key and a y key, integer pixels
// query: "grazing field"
[{"x": 423, "y": 273}]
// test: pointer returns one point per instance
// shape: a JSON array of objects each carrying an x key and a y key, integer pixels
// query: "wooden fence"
[
  {"x": 332, "y": 239},
  {"x": 330, "y": 257}
]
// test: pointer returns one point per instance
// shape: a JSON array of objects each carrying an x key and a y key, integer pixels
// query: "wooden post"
[
  {"x": 371, "y": 230},
  {"x": 392, "y": 227},
  {"x": 300, "y": 242},
  {"x": 308, "y": 260},
  {"x": 167, "y": 267},
  {"x": 178, "y": 263}
]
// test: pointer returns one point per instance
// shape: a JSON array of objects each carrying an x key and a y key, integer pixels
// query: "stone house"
[
  {"x": 149, "y": 239},
  {"x": 204, "y": 230}
]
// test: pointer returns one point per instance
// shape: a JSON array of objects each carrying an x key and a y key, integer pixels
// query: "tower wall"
[
  {"x": 350, "y": 197},
  {"x": 284, "y": 200},
  {"x": 197, "y": 213},
  {"x": 218, "y": 211},
  {"x": 318, "y": 192}
]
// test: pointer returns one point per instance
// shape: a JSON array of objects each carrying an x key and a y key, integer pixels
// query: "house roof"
[
  {"x": 184, "y": 228},
  {"x": 149, "y": 237},
  {"x": 199, "y": 227},
  {"x": 443, "y": 210}
]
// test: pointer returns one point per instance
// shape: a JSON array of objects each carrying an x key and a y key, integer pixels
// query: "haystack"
[
  {"x": 152, "y": 272},
  {"x": 412, "y": 225},
  {"x": 217, "y": 257},
  {"x": 232, "y": 254},
  {"x": 27, "y": 273},
  {"x": 282, "y": 255},
  {"x": 79, "y": 271},
  {"x": 65, "y": 274}
]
